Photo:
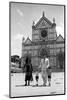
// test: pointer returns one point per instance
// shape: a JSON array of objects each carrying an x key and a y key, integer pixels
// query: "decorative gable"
[
  {"x": 60, "y": 38},
  {"x": 28, "y": 41},
  {"x": 43, "y": 22}
]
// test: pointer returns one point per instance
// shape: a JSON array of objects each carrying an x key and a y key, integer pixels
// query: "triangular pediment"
[
  {"x": 43, "y": 23},
  {"x": 28, "y": 41},
  {"x": 60, "y": 38}
]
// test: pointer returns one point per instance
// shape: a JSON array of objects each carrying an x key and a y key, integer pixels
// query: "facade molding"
[{"x": 44, "y": 43}]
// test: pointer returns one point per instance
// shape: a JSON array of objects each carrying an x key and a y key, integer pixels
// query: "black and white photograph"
[{"x": 37, "y": 49}]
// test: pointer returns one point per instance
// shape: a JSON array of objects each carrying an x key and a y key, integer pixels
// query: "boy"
[
  {"x": 49, "y": 75},
  {"x": 37, "y": 77}
]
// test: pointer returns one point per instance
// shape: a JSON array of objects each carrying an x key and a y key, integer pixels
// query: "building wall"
[
  {"x": 36, "y": 34},
  {"x": 34, "y": 51},
  {"x": 50, "y": 44}
]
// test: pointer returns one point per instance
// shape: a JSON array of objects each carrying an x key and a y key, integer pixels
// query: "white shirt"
[
  {"x": 44, "y": 64},
  {"x": 47, "y": 62}
]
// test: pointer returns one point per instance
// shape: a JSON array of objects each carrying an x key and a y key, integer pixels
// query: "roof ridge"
[
  {"x": 45, "y": 18},
  {"x": 59, "y": 36},
  {"x": 28, "y": 39}
]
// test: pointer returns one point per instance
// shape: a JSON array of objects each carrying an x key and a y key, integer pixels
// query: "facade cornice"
[{"x": 45, "y": 43}]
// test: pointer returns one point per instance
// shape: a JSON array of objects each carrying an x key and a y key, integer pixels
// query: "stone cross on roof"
[{"x": 43, "y": 14}]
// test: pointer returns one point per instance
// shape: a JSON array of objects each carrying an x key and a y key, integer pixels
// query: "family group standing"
[{"x": 45, "y": 71}]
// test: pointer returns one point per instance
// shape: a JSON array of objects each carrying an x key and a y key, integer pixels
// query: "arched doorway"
[
  {"x": 60, "y": 59},
  {"x": 44, "y": 52}
]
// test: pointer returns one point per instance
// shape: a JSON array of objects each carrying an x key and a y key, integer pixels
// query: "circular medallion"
[{"x": 43, "y": 33}]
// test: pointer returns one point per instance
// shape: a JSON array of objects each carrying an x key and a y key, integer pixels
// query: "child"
[
  {"x": 49, "y": 75},
  {"x": 37, "y": 77}
]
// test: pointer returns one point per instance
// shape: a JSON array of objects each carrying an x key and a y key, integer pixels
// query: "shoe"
[
  {"x": 36, "y": 84},
  {"x": 25, "y": 84}
]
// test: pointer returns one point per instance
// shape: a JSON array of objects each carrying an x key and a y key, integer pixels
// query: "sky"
[{"x": 22, "y": 17}]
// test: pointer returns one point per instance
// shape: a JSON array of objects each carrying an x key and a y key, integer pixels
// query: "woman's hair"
[{"x": 28, "y": 60}]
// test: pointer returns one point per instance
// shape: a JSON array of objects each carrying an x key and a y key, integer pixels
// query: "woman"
[
  {"x": 44, "y": 65},
  {"x": 28, "y": 71}
]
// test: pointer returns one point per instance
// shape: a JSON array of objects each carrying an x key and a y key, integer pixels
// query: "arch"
[
  {"x": 60, "y": 59},
  {"x": 44, "y": 51}
]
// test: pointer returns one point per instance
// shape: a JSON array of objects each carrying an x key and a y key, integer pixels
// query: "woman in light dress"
[{"x": 44, "y": 64}]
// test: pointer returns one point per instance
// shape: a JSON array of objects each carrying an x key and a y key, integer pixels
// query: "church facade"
[{"x": 44, "y": 42}]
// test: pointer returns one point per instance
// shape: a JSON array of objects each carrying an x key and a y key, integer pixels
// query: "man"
[{"x": 44, "y": 65}]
